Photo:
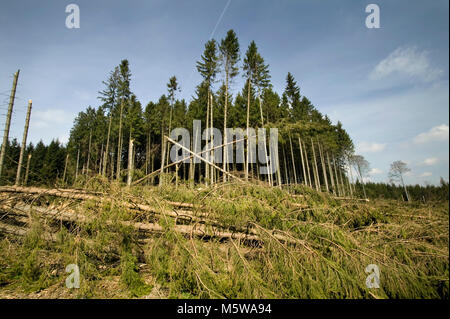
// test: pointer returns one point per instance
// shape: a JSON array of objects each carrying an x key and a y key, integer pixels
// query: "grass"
[{"x": 336, "y": 241}]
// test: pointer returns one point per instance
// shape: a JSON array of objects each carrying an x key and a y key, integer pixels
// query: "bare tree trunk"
[
  {"x": 344, "y": 193},
  {"x": 65, "y": 168},
  {"x": 404, "y": 187},
  {"x": 112, "y": 163},
  {"x": 292, "y": 157},
  {"x": 119, "y": 143},
  {"x": 351, "y": 176},
  {"x": 89, "y": 152},
  {"x": 147, "y": 155},
  {"x": 225, "y": 137},
  {"x": 324, "y": 168},
  {"x": 307, "y": 165},
  {"x": 337, "y": 177},
  {"x": 105, "y": 156},
  {"x": 163, "y": 155},
  {"x": 285, "y": 166},
  {"x": 331, "y": 174},
  {"x": 27, "y": 170},
  {"x": 207, "y": 170},
  {"x": 168, "y": 134},
  {"x": 24, "y": 142},
  {"x": 176, "y": 175},
  {"x": 130, "y": 161},
  {"x": 8, "y": 120},
  {"x": 278, "y": 168},
  {"x": 247, "y": 130},
  {"x": 315, "y": 168},
  {"x": 152, "y": 157},
  {"x": 303, "y": 161},
  {"x": 78, "y": 161},
  {"x": 213, "y": 171},
  {"x": 100, "y": 162}
]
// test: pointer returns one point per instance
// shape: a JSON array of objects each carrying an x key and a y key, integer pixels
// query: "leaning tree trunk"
[
  {"x": 344, "y": 193},
  {"x": 212, "y": 169},
  {"x": 247, "y": 130},
  {"x": 337, "y": 177},
  {"x": 119, "y": 143},
  {"x": 130, "y": 161},
  {"x": 286, "y": 174},
  {"x": 65, "y": 168},
  {"x": 269, "y": 164},
  {"x": 78, "y": 162},
  {"x": 315, "y": 168},
  {"x": 303, "y": 162},
  {"x": 307, "y": 165},
  {"x": 331, "y": 174},
  {"x": 324, "y": 169},
  {"x": 292, "y": 158},
  {"x": 105, "y": 155},
  {"x": 27, "y": 170},
  {"x": 208, "y": 141},
  {"x": 404, "y": 187},
  {"x": 225, "y": 137},
  {"x": 351, "y": 176},
  {"x": 89, "y": 152}
]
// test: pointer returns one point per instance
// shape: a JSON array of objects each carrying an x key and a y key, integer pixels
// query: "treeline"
[
  {"x": 43, "y": 164},
  {"x": 416, "y": 192}
]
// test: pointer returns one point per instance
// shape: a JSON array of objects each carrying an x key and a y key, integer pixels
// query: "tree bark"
[
  {"x": 292, "y": 158},
  {"x": 119, "y": 143},
  {"x": 24, "y": 142},
  {"x": 315, "y": 168}
]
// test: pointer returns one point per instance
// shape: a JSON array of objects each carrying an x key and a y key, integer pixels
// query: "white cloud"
[
  {"x": 426, "y": 174},
  {"x": 430, "y": 161},
  {"x": 406, "y": 62},
  {"x": 437, "y": 133},
  {"x": 375, "y": 171},
  {"x": 368, "y": 147},
  {"x": 50, "y": 118}
]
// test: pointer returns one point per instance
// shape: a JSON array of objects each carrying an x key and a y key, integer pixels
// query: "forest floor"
[{"x": 226, "y": 241}]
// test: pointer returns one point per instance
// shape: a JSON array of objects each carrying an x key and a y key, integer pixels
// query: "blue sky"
[{"x": 389, "y": 86}]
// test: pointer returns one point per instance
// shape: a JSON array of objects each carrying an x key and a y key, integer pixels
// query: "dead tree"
[{"x": 24, "y": 142}]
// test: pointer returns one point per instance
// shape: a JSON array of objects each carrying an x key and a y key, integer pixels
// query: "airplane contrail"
[{"x": 220, "y": 18}]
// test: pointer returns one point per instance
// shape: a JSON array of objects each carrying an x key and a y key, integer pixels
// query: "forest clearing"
[{"x": 228, "y": 241}]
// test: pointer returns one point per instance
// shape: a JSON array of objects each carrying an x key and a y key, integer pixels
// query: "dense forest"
[{"x": 122, "y": 139}]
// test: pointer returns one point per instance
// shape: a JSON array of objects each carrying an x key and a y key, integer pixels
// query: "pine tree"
[
  {"x": 208, "y": 68},
  {"x": 123, "y": 95},
  {"x": 229, "y": 50},
  {"x": 292, "y": 97},
  {"x": 109, "y": 96}
]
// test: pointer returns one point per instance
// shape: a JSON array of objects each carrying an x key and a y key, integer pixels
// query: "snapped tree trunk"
[
  {"x": 130, "y": 161},
  {"x": 25, "y": 182},
  {"x": 315, "y": 168},
  {"x": 24, "y": 142},
  {"x": 303, "y": 161},
  {"x": 333, "y": 185},
  {"x": 324, "y": 168},
  {"x": 119, "y": 143},
  {"x": 292, "y": 158},
  {"x": 307, "y": 165},
  {"x": 89, "y": 152}
]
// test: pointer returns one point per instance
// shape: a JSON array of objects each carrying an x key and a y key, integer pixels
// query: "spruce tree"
[{"x": 229, "y": 50}]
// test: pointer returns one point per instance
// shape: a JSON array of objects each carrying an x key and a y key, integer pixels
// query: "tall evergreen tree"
[
  {"x": 208, "y": 68},
  {"x": 109, "y": 98},
  {"x": 229, "y": 50}
]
